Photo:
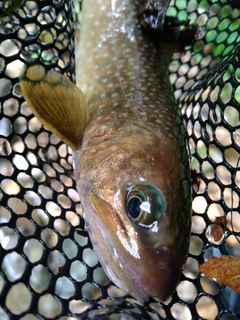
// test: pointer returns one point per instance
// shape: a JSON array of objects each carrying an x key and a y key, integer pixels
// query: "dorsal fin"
[{"x": 57, "y": 103}]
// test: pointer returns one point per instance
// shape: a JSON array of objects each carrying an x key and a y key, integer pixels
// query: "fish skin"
[
  {"x": 134, "y": 135},
  {"x": 130, "y": 141}
]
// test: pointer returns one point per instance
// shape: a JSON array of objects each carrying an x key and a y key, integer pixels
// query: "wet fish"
[{"x": 127, "y": 137}]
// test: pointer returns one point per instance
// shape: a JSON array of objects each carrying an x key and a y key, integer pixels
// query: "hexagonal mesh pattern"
[{"x": 48, "y": 269}]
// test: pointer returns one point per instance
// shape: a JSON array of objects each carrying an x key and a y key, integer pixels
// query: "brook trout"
[{"x": 127, "y": 137}]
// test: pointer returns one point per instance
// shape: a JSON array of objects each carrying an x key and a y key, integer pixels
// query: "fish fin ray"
[{"x": 56, "y": 101}]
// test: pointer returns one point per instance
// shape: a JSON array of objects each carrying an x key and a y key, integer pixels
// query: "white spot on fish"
[
  {"x": 103, "y": 7},
  {"x": 115, "y": 252},
  {"x": 113, "y": 4}
]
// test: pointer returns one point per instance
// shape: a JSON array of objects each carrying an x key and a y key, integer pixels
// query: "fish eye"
[{"x": 145, "y": 204}]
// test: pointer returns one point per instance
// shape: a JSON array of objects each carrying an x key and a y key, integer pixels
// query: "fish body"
[{"x": 131, "y": 164}]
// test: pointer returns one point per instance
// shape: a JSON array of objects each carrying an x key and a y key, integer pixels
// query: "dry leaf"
[
  {"x": 215, "y": 232},
  {"x": 225, "y": 270},
  {"x": 219, "y": 227}
]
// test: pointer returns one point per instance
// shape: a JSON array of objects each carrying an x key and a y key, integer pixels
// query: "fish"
[{"x": 128, "y": 142}]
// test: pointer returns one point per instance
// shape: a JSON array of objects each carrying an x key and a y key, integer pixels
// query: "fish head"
[{"x": 136, "y": 204}]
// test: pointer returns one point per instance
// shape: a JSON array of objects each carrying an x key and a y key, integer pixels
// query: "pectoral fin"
[{"x": 56, "y": 102}]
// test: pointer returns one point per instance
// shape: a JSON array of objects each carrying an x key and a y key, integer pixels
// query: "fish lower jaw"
[
  {"x": 136, "y": 290},
  {"x": 117, "y": 275}
]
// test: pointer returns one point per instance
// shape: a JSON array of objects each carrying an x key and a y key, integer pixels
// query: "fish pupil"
[{"x": 134, "y": 208}]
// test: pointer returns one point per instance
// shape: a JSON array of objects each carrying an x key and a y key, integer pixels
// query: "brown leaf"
[
  {"x": 219, "y": 227},
  {"x": 225, "y": 270}
]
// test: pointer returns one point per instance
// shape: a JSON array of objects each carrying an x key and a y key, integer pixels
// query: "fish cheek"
[
  {"x": 163, "y": 280},
  {"x": 161, "y": 262},
  {"x": 176, "y": 188}
]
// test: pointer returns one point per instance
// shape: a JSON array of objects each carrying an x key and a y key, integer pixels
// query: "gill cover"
[{"x": 56, "y": 102}]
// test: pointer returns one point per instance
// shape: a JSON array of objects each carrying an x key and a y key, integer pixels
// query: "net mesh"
[{"x": 48, "y": 269}]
